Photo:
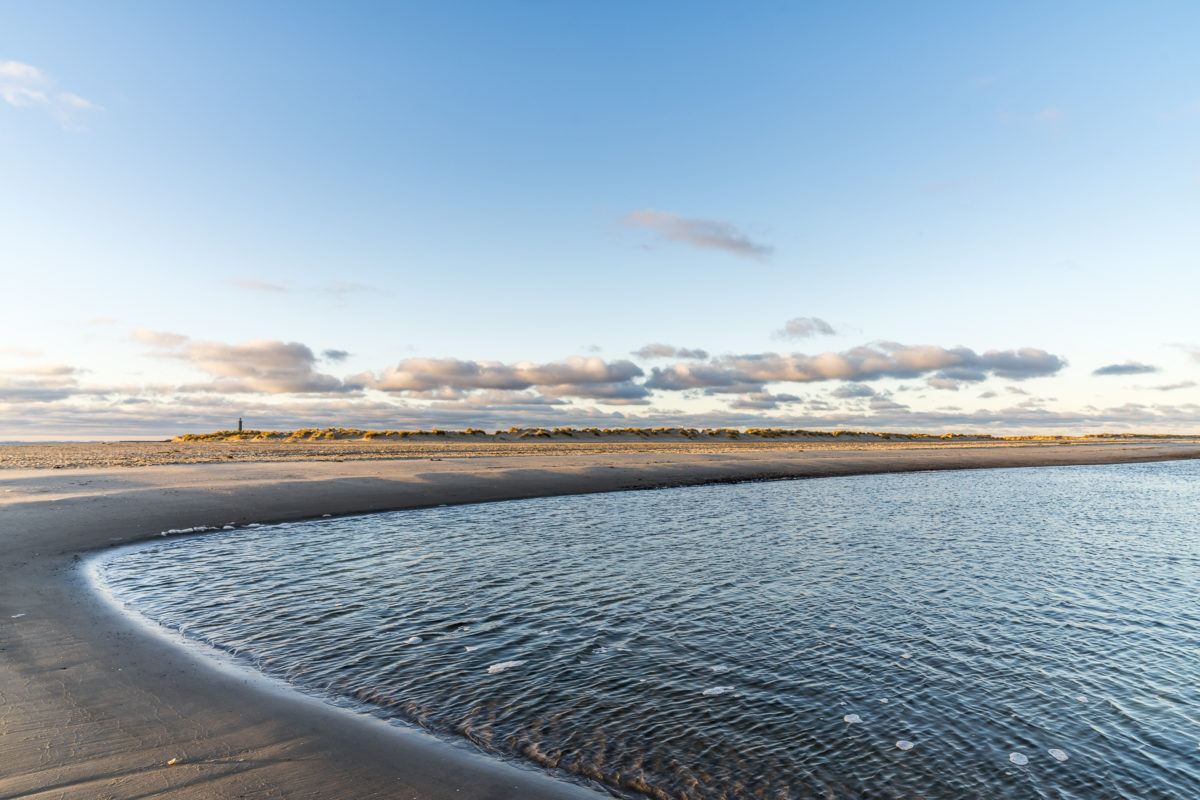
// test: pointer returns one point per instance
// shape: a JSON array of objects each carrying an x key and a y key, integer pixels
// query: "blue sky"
[{"x": 408, "y": 215}]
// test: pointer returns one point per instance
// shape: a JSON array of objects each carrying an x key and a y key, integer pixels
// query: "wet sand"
[{"x": 93, "y": 705}]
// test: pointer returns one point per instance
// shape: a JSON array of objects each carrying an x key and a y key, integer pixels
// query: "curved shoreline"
[{"x": 96, "y": 706}]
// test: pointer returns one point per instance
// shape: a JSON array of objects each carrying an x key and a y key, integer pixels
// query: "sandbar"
[{"x": 94, "y": 705}]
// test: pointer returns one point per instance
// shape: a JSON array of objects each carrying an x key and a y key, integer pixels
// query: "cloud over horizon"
[
  {"x": 885, "y": 360},
  {"x": 705, "y": 234},
  {"x": 39, "y": 384},
  {"x": 266, "y": 366},
  {"x": 281, "y": 375},
  {"x": 577, "y": 376},
  {"x": 158, "y": 417}
]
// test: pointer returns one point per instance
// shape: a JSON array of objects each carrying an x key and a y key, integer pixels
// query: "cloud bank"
[
  {"x": 885, "y": 360},
  {"x": 262, "y": 366},
  {"x": 577, "y": 376},
  {"x": 289, "y": 385}
]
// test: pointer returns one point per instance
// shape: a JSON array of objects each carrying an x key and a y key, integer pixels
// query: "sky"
[{"x": 936, "y": 217}]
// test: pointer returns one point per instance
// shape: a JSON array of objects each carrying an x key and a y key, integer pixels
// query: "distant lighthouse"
[{"x": 239, "y": 424}]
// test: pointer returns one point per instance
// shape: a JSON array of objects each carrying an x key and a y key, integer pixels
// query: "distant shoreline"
[
  {"x": 627, "y": 434},
  {"x": 97, "y": 705},
  {"x": 647, "y": 434},
  {"x": 341, "y": 444}
]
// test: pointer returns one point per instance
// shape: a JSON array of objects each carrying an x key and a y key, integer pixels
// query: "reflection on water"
[{"x": 1004, "y": 633}]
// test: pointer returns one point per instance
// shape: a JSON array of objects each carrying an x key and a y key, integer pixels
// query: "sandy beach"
[{"x": 94, "y": 705}]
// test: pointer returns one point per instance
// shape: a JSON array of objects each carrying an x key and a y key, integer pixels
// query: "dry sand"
[{"x": 93, "y": 705}]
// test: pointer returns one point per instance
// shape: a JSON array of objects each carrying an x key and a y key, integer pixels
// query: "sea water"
[{"x": 1023, "y": 633}]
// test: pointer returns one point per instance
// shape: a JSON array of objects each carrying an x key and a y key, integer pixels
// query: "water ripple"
[{"x": 1033, "y": 632}]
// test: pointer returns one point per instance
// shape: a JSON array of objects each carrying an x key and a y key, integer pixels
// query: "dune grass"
[{"x": 584, "y": 434}]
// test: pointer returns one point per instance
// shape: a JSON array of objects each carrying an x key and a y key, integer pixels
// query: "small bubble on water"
[
  {"x": 1081, "y": 699},
  {"x": 883, "y": 699},
  {"x": 1058, "y": 755},
  {"x": 1019, "y": 759},
  {"x": 413, "y": 640},
  {"x": 504, "y": 665},
  {"x": 852, "y": 718},
  {"x": 904, "y": 744},
  {"x": 717, "y": 690}
]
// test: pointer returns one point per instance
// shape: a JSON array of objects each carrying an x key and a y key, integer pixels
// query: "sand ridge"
[{"x": 457, "y": 445}]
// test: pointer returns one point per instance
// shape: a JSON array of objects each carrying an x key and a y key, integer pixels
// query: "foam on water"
[{"x": 504, "y": 666}]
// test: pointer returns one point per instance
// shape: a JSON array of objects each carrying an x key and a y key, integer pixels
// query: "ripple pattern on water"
[{"x": 714, "y": 642}]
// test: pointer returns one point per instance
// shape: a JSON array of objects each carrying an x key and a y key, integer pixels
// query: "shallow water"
[{"x": 928, "y": 635}]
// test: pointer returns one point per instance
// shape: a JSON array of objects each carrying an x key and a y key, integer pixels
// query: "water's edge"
[
  {"x": 90, "y": 572},
  {"x": 246, "y": 668}
]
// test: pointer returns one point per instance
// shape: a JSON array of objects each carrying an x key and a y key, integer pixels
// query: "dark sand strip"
[{"x": 92, "y": 705}]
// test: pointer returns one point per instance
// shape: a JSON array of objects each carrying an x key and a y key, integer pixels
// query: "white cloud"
[{"x": 25, "y": 86}]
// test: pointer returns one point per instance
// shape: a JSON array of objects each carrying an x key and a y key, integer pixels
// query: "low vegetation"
[{"x": 585, "y": 434}]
